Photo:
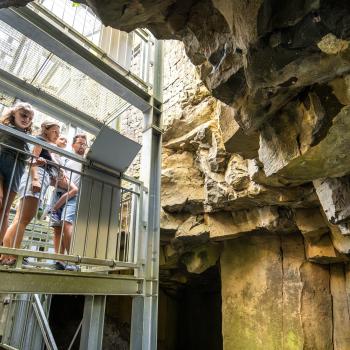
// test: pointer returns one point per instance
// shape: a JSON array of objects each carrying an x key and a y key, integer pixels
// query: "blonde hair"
[
  {"x": 46, "y": 125},
  {"x": 8, "y": 118}
]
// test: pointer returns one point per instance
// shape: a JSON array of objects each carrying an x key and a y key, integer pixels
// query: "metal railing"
[
  {"x": 31, "y": 330},
  {"x": 105, "y": 214}
]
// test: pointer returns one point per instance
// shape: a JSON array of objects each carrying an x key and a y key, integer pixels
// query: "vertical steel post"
[
  {"x": 93, "y": 323},
  {"x": 145, "y": 307}
]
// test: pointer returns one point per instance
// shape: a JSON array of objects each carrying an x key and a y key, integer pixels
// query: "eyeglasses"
[
  {"x": 81, "y": 144},
  {"x": 25, "y": 115}
]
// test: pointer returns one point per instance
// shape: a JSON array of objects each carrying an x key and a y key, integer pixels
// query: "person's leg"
[
  {"x": 1, "y": 199},
  {"x": 15, "y": 172},
  {"x": 5, "y": 222},
  {"x": 56, "y": 223},
  {"x": 67, "y": 238},
  {"x": 24, "y": 215},
  {"x": 58, "y": 243},
  {"x": 68, "y": 218}
]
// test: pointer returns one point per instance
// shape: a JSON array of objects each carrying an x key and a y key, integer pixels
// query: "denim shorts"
[
  {"x": 7, "y": 164},
  {"x": 25, "y": 188},
  {"x": 66, "y": 213}
]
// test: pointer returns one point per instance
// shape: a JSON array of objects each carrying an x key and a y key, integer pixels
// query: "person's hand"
[
  {"x": 53, "y": 181},
  {"x": 36, "y": 186},
  {"x": 40, "y": 161}
]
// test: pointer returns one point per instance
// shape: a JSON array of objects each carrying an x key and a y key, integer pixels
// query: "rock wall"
[
  {"x": 279, "y": 237},
  {"x": 284, "y": 301}
]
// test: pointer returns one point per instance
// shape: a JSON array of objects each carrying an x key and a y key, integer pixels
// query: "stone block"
[
  {"x": 193, "y": 117},
  {"x": 229, "y": 225},
  {"x": 328, "y": 157},
  {"x": 322, "y": 251},
  {"x": 193, "y": 232},
  {"x": 201, "y": 258},
  {"x": 341, "y": 242},
  {"x": 234, "y": 138},
  {"x": 169, "y": 224},
  {"x": 182, "y": 184},
  {"x": 236, "y": 174},
  {"x": 334, "y": 196},
  {"x": 341, "y": 319},
  {"x": 272, "y": 298},
  {"x": 311, "y": 223}
]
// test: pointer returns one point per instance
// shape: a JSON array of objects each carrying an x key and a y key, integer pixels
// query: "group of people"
[{"x": 29, "y": 177}]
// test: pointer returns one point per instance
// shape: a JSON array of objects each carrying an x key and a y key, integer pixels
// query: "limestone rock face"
[
  {"x": 234, "y": 138},
  {"x": 301, "y": 145},
  {"x": 256, "y": 157},
  {"x": 322, "y": 251},
  {"x": 272, "y": 298},
  {"x": 341, "y": 319},
  {"x": 256, "y": 56},
  {"x": 201, "y": 258},
  {"x": 182, "y": 184},
  {"x": 311, "y": 223},
  {"x": 192, "y": 232},
  {"x": 228, "y": 225},
  {"x": 334, "y": 195}
]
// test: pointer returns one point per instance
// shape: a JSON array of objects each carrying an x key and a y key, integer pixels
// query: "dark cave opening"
[
  {"x": 66, "y": 313},
  {"x": 190, "y": 319}
]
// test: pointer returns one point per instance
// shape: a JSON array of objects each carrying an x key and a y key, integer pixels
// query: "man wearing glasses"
[{"x": 62, "y": 220}]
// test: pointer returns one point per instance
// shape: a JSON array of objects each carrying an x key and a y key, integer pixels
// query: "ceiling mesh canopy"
[
  {"x": 32, "y": 63},
  {"x": 35, "y": 65}
]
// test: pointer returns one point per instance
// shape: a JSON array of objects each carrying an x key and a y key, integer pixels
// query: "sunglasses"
[{"x": 25, "y": 115}]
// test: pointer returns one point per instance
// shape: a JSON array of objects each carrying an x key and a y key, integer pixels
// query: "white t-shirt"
[{"x": 74, "y": 165}]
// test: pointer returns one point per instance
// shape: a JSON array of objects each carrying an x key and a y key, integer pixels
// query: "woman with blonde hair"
[
  {"x": 33, "y": 189},
  {"x": 12, "y": 163}
]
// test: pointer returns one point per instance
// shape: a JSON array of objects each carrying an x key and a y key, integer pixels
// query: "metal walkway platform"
[{"x": 115, "y": 244}]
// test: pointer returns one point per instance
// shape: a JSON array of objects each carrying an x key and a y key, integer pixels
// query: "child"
[
  {"x": 65, "y": 190},
  {"x": 58, "y": 178},
  {"x": 12, "y": 163},
  {"x": 31, "y": 192},
  {"x": 60, "y": 181}
]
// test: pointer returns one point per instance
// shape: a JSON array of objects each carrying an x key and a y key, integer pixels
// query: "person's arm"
[
  {"x": 36, "y": 185},
  {"x": 73, "y": 191}
]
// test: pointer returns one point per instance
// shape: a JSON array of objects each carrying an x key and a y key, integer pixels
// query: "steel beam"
[
  {"x": 20, "y": 89},
  {"x": 52, "y": 38},
  {"x": 44, "y": 324},
  {"x": 54, "y": 282},
  {"x": 145, "y": 307},
  {"x": 93, "y": 323}
]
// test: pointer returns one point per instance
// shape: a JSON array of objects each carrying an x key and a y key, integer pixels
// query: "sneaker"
[
  {"x": 59, "y": 265},
  {"x": 72, "y": 268}
]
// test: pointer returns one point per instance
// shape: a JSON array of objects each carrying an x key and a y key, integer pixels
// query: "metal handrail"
[
  {"x": 122, "y": 236},
  {"x": 35, "y": 141}
]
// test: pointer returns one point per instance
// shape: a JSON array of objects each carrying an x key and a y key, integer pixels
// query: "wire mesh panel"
[
  {"x": 133, "y": 51},
  {"x": 32, "y": 63}
]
